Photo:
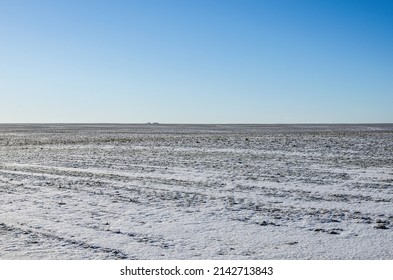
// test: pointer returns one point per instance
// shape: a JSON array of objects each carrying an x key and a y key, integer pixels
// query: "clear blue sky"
[{"x": 195, "y": 61}]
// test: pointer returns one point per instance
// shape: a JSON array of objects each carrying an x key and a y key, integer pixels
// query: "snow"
[{"x": 196, "y": 191}]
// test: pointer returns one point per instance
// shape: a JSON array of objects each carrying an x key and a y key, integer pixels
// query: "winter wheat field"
[{"x": 196, "y": 191}]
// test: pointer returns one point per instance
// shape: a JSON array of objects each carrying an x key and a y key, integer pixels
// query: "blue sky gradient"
[{"x": 196, "y": 61}]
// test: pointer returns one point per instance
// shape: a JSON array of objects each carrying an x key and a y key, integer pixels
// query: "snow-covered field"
[{"x": 196, "y": 192}]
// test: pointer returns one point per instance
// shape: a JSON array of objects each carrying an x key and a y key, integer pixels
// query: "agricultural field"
[{"x": 196, "y": 191}]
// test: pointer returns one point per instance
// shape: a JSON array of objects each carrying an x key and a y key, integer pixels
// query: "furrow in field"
[{"x": 259, "y": 211}]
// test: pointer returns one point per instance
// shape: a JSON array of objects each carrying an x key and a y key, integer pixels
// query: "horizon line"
[{"x": 159, "y": 123}]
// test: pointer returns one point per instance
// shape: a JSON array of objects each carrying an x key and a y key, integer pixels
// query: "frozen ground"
[{"x": 196, "y": 192}]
